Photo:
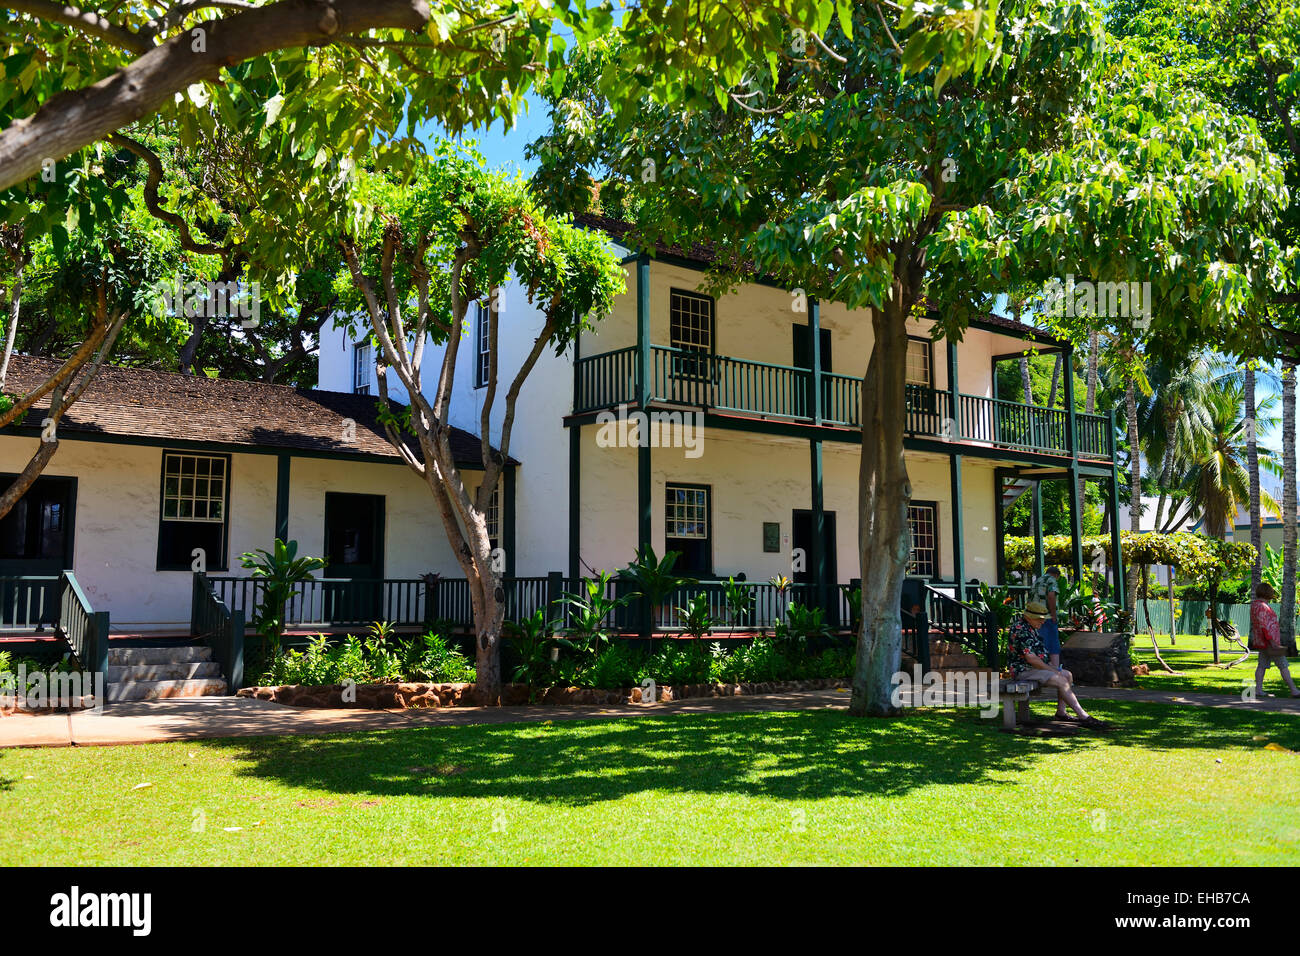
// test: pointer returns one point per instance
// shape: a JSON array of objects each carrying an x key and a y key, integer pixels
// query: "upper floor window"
[
  {"x": 493, "y": 516},
  {"x": 361, "y": 365},
  {"x": 920, "y": 368},
  {"x": 922, "y": 517},
  {"x": 195, "y": 491},
  {"x": 690, "y": 321},
  {"x": 482, "y": 346}
]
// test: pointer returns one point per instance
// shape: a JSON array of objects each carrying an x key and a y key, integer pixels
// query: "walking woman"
[{"x": 1266, "y": 638}]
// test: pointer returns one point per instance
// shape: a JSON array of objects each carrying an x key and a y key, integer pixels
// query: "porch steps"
[{"x": 153, "y": 673}]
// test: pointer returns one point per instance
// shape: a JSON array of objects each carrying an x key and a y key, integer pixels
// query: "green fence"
[{"x": 1192, "y": 618}]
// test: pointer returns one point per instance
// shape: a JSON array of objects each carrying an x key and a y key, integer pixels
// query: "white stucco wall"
[
  {"x": 115, "y": 545},
  {"x": 756, "y": 477}
]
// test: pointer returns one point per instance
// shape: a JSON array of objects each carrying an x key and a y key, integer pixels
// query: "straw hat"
[{"x": 1036, "y": 609}]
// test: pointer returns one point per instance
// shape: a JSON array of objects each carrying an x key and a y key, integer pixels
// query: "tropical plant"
[
  {"x": 537, "y": 645},
  {"x": 590, "y": 615},
  {"x": 1082, "y": 609},
  {"x": 740, "y": 602},
  {"x": 618, "y": 666},
  {"x": 278, "y": 571},
  {"x": 432, "y": 658},
  {"x": 801, "y": 623},
  {"x": 853, "y": 596},
  {"x": 697, "y": 616},
  {"x": 654, "y": 578}
]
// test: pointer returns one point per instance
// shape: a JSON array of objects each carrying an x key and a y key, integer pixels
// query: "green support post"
[
  {"x": 818, "y": 555},
  {"x": 954, "y": 399},
  {"x": 643, "y": 483},
  {"x": 575, "y": 473},
  {"x": 1037, "y": 507},
  {"x": 958, "y": 542},
  {"x": 282, "y": 496},
  {"x": 815, "y": 346},
  {"x": 1116, "y": 547},
  {"x": 1072, "y": 443},
  {"x": 643, "y": 332}
]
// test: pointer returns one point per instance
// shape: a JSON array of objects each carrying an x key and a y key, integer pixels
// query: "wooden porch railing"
[
  {"x": 29, "y": 602},
  {"x": 324, "y": 602},
  {"x": 220, "y": 628},
  {"x": 85, "y": 629},
  {"x": 707, "y": 381}
]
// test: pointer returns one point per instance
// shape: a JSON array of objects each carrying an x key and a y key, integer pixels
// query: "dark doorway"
[
  {"x": 802, "y": 538},
  {"x": 803, "y": 359},
  {"x": 354, "y": 551},
  {"x": 36, "y": 541}
]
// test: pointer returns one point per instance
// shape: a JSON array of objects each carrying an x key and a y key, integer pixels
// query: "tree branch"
[
  {"x": 86, "y": 22},
  {"x": 70, "y": 121}
]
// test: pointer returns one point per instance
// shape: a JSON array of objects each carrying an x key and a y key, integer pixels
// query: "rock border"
[{"x": 402, "y": 696}]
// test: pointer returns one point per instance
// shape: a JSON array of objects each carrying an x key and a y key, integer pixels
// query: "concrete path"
[{"x": 209, "y": 717}]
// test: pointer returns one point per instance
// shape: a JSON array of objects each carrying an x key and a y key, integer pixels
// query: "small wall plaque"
[{"x": 771, "y": 536}]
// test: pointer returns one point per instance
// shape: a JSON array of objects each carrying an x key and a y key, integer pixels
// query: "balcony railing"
[{"x": 781, "y": 392}]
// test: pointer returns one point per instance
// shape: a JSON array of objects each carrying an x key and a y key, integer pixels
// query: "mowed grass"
[
  {"x": 1197, "y": 672},
  {"x": 935, "y": 787}
]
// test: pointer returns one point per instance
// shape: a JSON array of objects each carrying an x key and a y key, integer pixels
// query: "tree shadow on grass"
[{"x": 798, "y": 755}]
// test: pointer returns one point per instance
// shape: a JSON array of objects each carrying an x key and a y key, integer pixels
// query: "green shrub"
[
  {"x": 676, "y": 664},
  {"x": 618, "y": 666}
]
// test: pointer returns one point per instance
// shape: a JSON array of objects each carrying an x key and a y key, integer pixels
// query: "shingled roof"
[{"x": 143, "y": 403}]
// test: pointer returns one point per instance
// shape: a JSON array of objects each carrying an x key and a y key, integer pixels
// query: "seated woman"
[
  {"x": 1027, "y": 658},
  {"x": 1266, "y": 638}
]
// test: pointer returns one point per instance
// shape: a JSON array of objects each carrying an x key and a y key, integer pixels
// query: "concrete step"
[
  {"x": 159, "y": 689},
  {"x": 133, "y": 656},
  {"x": 179, "y": 670}
]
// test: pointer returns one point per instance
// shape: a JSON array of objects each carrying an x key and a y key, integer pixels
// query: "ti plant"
[
  {"x": 697, "y": 617},
  {"x": 740, "y": 602},
  {"x": 591, "y": 611},
  {"x": 800, "y": 624},
  {"x": 654, "y": 578},
  {"x": 535, "y": 641},
  {"x": 279, "y": 572}
]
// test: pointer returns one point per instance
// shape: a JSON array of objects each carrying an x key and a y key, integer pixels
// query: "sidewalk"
[{"x": 210, "y": 717}]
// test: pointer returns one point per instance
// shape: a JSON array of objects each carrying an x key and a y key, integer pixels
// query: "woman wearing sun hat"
[
  {"x": 1266, "y": 639},
  {"x": 1027, "y": 659}
]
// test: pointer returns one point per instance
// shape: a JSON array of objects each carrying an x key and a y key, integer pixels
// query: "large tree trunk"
[
  {"x": 1134, "y": 484},
  {"x": 1288, "y": 501},
  {"x": 884, "y": 539},
  {"x": 1252, "y": 466}
]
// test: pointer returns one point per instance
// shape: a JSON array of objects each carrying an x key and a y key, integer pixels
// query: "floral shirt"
[
  {"x": 1264, "y": 629},
  {"x": 1024, "y": 637},
  {"x": 1043, "y": 586}
]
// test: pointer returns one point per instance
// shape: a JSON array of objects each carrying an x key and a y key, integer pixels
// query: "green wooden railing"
[
  {"x": 606, "y": 380},
  {"x": 722, "y": 383},
  {"x": 29, "y": 602},
  {"x": 85, "y": 629},
  {"x": 323, "y": 602},
  {"x": 220, "y": 628}
]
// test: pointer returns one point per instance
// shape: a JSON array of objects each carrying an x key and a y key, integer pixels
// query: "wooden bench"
[{"x": 1015, "y": 695}]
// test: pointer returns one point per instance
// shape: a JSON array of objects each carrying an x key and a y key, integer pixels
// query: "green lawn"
[
  {"x": 1198, "y": 673},
  {"x": 806, "y": 787}
]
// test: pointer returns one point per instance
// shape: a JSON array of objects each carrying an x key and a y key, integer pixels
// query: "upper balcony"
[{"x": 692, "y": 380}]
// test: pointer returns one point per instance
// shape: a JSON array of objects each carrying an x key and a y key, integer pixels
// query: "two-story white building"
[{"x": 750, "y": 468}]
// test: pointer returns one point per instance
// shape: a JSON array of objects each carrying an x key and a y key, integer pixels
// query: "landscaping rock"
[{"x": 414, "y": 694}]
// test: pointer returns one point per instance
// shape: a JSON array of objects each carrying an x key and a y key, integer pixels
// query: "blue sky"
[{"x": 504, "y": 148}]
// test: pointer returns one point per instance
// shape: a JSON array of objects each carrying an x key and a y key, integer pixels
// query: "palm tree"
[{"x": 1210, "y": 473}]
